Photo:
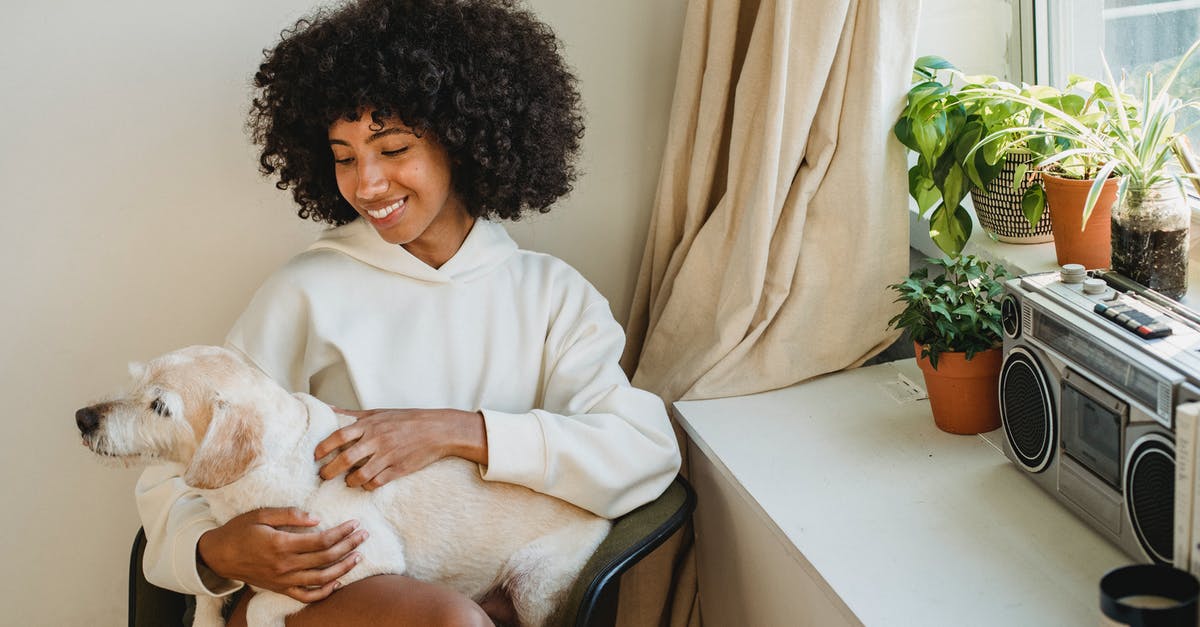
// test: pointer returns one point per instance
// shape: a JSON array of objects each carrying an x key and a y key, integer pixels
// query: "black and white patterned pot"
[{"x": 998, "y": 207}]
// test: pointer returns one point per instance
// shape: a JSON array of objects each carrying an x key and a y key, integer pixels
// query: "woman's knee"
[{"x": 465, "y": 613}]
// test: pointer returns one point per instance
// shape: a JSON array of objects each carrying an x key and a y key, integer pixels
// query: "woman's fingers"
[
  {"x": 338, "y": 439},
  {"x": 335, "y": 553},
  {"x": 316, "y": 577},
  {"x": 284, "y": 517},
  {"x": 311, "y": 595},
  {"x": 376, "y": 465},
  {"x": 381, "y": 478},
  {"x": 303, "y": 543},
  {"x": 355, "y": 455}
]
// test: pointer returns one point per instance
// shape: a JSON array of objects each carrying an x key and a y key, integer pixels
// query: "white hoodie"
[{"x": 518, "y": 335}]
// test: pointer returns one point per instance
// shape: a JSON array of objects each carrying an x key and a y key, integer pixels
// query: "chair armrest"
[{"x": 592, "y": 599}]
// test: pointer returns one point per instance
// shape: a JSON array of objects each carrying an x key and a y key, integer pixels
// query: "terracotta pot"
[
  {"x": 964, "y": 395},
  {"x": 1091, "y": 247}
]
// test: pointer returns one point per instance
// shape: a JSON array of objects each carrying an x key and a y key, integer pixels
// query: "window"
[{"x": 1066, "y": 37}]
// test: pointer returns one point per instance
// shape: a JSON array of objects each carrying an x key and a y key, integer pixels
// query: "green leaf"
[
  {"x": 926, "y": 136},
  {"x": 1094, "y": 193},
  {"x": 922, "y": 189},
  {"x": 1019, "y": 176},
  {"x": 987, "y": 171},
  {"x": 1033, "y": 204},
  {"x": 962, "y": 148},
  {"x": 933, "y": 62},
  {"x": 954, "y": 186},
  {"x": 1072, "y": 104},
  {"x": 903, "y": 132},
  {"x": 950, "y": 228},
  {"x": 966, "y": 309},
  {"x": 993, "y": 151},
  {"x": 926, "y": 96}
]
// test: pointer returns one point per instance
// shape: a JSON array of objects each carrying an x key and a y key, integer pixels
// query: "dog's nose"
[{"x": 87, "y": 419}]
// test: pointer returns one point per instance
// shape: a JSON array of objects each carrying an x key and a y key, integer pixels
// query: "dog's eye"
[{"x": 160, "y": 408}]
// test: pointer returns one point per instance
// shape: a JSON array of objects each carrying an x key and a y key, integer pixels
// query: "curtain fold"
[
  {"x": 781, "y": 210},
  {"x": 780, "y": 214}
]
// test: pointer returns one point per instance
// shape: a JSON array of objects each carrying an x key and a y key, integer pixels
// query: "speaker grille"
[
  {"x": 1150, "y": 496},
  {"x": 1026, "y": 410}
]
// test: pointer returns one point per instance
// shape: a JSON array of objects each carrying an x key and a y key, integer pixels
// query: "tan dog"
[{"x": 247, "y": 443}]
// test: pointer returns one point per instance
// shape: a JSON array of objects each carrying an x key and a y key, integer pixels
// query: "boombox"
[{"x": 1094, "y": 367}]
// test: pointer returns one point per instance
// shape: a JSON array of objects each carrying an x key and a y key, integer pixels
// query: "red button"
[{"x": 1144, "y": 330}]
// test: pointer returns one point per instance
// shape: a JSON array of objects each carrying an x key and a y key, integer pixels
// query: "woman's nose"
[{"x": 371, "y": 181}]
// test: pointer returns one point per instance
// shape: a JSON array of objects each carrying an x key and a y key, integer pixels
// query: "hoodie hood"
[{"x": 487, "y": 246}]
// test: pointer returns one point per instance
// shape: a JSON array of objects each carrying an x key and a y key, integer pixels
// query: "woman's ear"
[{"x": 230, "y": 446}]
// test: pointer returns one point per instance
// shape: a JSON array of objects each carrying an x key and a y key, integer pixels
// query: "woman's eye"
[
  {"x": 346, "y": 161},
  {"x": 393, "y": 153}
]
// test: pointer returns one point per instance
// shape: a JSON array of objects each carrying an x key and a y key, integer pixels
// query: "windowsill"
[
  {"x": 1018, "y": 258},
  {"x": 1022, "y": 259}
]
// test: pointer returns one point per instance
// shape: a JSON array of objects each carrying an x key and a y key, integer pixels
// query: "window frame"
[{"x": 1046, "y": 34}]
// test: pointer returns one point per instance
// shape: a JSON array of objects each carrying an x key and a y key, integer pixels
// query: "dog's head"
[{"x": 199, "y": 406}]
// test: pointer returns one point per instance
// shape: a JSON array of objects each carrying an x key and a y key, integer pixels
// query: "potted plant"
[
  {"x": 940, "y": 128},
  {"x": 1136, "y": 140},
  {"x": 1066, "y": 175},
  {"x": 953, "y": 319}
]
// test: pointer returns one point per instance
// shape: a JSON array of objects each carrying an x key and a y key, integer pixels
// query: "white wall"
[
  {"x": 135, "y": 222},
  {"x": 975, "y": 35}
]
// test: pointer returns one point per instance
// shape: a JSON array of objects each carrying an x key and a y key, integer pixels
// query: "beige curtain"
[{"x": 780, "y": 218}]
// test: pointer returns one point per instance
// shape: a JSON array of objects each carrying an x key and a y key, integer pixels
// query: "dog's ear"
[{"x": 231, "y": 444}]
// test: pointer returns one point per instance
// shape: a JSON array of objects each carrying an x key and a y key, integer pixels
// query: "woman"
[{"x": 409, "y": 125}]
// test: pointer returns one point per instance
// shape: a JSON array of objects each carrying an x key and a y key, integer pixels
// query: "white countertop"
[{"x": 906, "y": 524}]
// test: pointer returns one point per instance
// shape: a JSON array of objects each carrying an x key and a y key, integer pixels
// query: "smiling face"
[{"x": 399, "y": 182}]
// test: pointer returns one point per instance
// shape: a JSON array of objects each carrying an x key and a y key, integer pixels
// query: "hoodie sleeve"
[
  {"x": 598, "y": 443},
  {"x": 174, "y": 517}
]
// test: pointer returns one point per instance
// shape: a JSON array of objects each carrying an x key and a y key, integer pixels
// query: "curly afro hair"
[{"x": 485, "y": 77}]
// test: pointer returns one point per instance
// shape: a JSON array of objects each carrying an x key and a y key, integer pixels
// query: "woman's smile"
[
  {"x": 395, "y": 210},
  {"x": 398, "y": 179}
]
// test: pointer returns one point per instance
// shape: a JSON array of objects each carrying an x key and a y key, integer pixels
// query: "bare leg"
[{"x": 383, "y": 601}]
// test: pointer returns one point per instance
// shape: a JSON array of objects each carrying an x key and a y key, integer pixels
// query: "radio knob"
[
  {"x": 1072, "y": 273},
  {"x": 1094, "y": 286}
]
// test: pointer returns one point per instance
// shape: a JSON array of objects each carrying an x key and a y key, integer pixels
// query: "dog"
[{"x": 246, "y": 443}]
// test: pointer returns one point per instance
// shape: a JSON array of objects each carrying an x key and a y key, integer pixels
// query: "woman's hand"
[
  {"x": 384, "y": 444},
  {"x": 253, "y": 548}
]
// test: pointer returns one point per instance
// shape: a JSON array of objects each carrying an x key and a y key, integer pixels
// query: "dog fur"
[{"x": 204, "y": 408}]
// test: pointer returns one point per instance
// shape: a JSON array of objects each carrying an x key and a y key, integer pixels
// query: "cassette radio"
[{"x": 1094, "y": 367}]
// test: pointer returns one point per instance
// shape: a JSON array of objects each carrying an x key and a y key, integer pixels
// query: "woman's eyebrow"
[
  {"x": 374, "y": 136},
  {"x": 388, "y": 131}
]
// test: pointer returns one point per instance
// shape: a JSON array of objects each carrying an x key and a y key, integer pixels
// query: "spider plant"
[{"x": 1109, "y": 133}]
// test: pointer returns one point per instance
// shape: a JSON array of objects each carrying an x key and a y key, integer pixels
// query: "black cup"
[{"x": 1149, "y": 595}]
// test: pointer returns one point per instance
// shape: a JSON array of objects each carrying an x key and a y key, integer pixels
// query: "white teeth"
[{"x": 386, "y": 211}]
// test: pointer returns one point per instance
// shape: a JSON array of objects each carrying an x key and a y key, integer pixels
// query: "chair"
[{"x": 592, "y": 601}]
